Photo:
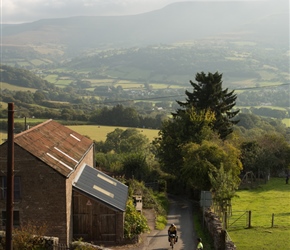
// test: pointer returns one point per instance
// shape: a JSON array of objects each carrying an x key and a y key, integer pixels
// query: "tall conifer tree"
[{"x": 208, "y": 95}]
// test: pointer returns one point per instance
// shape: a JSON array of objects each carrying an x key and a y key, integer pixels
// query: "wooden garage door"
[
  {"x": 93, "y": 221},
  {"x": 106, "y": 227}
]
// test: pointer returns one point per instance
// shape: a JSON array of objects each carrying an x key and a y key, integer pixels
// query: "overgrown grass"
[
  {"x": 200, "y": 229},
  {"x": 161, "y": 220},
  {"x": 268, "y": 199}
]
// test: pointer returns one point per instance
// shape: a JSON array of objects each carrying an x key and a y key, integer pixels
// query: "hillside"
[
  {"x": 22, "y": 78},
  {"x": 247, "y": 20},
  {"x": 149, "y": 58}
]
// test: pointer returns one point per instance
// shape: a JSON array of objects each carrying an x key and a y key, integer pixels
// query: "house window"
[
  {"x": 16, "y": 220},
  {"x": 3, "y": 186}
]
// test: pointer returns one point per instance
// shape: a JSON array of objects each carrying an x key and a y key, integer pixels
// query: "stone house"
[{"x": 56, "y": 185}]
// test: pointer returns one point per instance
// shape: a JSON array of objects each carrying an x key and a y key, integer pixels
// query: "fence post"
[
  {"x": 226, "y": 220},
  {"x": 273, "y": 220},
  {"x": 223, "y": 239},
  {"x": 250, "y": 218}
]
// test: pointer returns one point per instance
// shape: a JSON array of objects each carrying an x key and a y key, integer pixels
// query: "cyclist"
[{"x": 172, "y": 230}]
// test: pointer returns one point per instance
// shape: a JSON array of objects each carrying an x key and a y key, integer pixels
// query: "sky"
[
  {"x": 23, "y": 11},
  {"x": 19, "y": 11}
]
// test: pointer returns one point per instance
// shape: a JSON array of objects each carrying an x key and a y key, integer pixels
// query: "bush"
[
  {"x": 29, "y": 236},
  {"x": 80, "y": 245},
  {"x": 135, "y": 222}
]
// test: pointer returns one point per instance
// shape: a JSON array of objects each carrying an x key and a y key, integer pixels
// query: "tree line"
[{"x": 78, "y": 101}]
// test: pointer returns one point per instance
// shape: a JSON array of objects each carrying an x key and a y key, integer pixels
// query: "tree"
[
  {"x": 135, "y": 166},
  {"x": 124, "y": 141},
  {"x": 127, "y": 151},
  {"x": 224, "y": 187},
  {"x": 250, "y": 153},
  {"x": 39, "y": 96},
  {"x": 208, "y": 95},
  {"x": 134, "y": 141},
  {"x": 204, "y": 160},
  {"x": 223, "y": 184},
  {"x": 274, "y": 157},
  {"x": 265, "y": 154},
  {"x": 189, "y": 126}
]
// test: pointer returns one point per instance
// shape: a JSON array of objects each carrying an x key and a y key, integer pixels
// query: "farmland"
[
  {"x": 263, "y": 202},
  {"x": 162, "y": 73},
  {"x": 143, "y": 65},
  {"x": 286, "y": 122},
  {"x": 3, "y": 137},
  {"x": 99, "y": 133}
]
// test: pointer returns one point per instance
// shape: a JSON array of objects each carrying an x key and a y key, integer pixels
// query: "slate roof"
[
  {"x": 58, "y": 146},
  {"x": 101, "y": 187}
]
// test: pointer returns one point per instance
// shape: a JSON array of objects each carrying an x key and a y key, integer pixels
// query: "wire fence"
[
  {"x": 279, "y": 219},
  {"x": 248, "y": 219},
  {"x": 239, "y": 219}
]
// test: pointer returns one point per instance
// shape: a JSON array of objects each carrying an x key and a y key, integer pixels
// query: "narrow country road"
[{"x": 180, "y": 214}]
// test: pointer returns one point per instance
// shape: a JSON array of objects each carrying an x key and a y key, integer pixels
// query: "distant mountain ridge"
[{"x": 265, "y": 22}]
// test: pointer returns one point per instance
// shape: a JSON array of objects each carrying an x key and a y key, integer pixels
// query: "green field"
[
  {"x": 99, "y": 133},
  {"x": 286, "y": 121},
  {"x": 3, "y": 137},
  {"x": 263, "y": 202},
  {"x": 94, "y": 132},
  {"x": 4, "y": 85}
]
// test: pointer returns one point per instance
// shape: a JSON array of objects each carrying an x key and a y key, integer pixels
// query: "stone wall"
[
  {"x": 219, "y": 236},
  {"x": 25, "y": 239}
]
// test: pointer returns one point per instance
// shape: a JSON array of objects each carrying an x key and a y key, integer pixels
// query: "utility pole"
[{"x": 10, "y": 178}]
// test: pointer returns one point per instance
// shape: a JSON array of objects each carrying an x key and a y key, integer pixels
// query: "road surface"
[{"x": 180, "y": 214}]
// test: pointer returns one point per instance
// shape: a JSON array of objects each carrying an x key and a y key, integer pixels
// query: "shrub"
[
  {"x": 80, "y": 245},
  {"x": 29, "y": 236},
  {"x": 135, "y": 222}
]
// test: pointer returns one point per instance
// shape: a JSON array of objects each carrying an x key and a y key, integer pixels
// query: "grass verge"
[
  {"x": 200, "y": 230},
  {"x": 161, "y": 220}
]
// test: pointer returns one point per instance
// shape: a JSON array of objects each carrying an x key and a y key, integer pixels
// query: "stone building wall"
[{"x": 42, "y": 192}]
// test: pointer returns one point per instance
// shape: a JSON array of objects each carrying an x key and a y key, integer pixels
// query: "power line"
[
  {"x": 142, "y": 99},
  {"x": 170, "y": 96},
  {"x": 261, "y": 87}
]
